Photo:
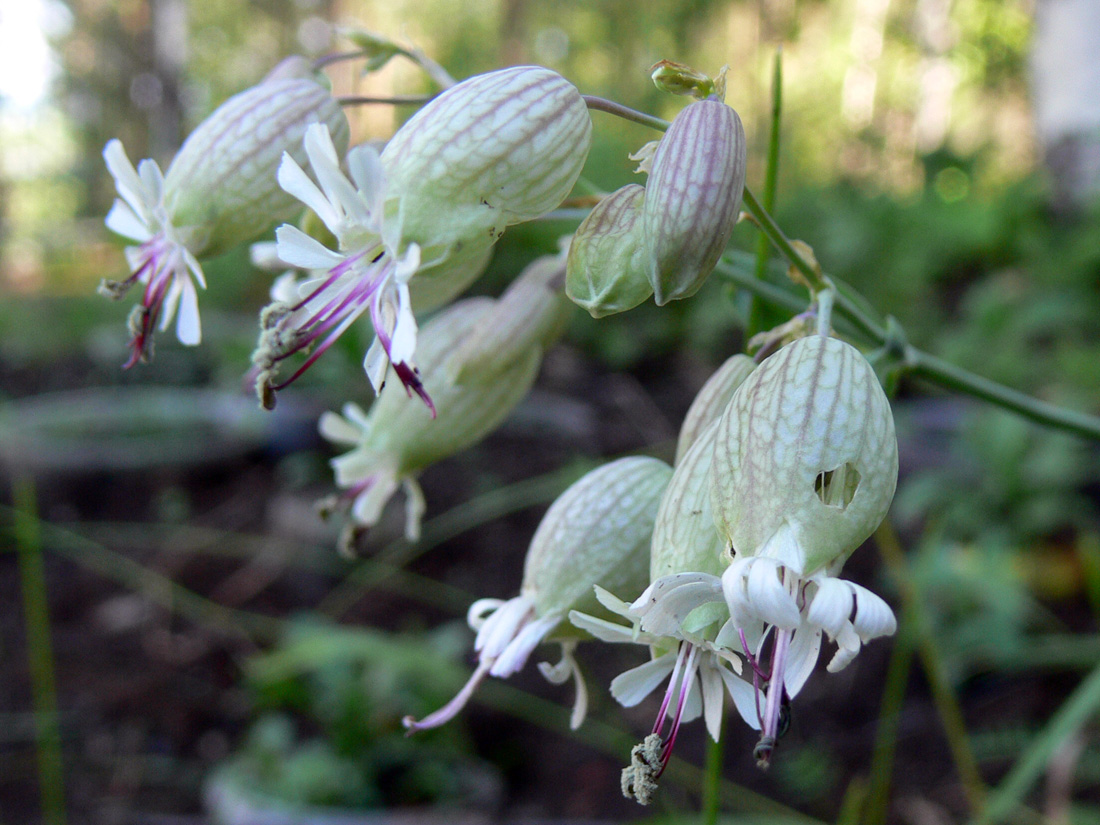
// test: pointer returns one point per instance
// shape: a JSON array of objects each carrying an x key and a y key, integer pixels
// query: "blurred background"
[{"x": 174, "y": 614}]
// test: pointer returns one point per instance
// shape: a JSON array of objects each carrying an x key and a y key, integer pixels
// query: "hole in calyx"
[{"x": 837, "y": 488}]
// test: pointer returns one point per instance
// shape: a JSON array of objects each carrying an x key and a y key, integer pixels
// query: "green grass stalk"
[{"x": 32, "y": 575}]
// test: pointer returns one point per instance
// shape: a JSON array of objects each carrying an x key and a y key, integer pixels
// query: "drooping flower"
[
  {"x": 804, "y": 469},
  {"x": 369, "y": 272},
  {"x": 489, "y": 152},
  {"x": 482, "y": 355},
  {"x": 219, "y": 191},
  {"x": 596, "y": 532},
  {"x": 681, "y": 617}
]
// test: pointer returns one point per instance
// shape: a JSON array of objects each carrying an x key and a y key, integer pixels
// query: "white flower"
[
  {"x": 368, "y": 477},
  {"x": 368, "y": 272},
  {"x": 676, "y": 617},
  {"x": 161, "y": 261},
  {"x": 507, "y": 634},
  {"x": 769, "y": 598}
]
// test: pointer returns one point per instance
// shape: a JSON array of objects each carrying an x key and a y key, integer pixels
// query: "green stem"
[
  {"x": 955, "y": 378},
  {"x": 712, "y": 777},
  {"x": 394, "y": 100},
  {"x": 771, "y": 180},
  {"x": 602, "y": 104},
  {"x": 943, "y": 695},
  {"x": 28, "y": 540},
  {"x": 918, "y": 363}
]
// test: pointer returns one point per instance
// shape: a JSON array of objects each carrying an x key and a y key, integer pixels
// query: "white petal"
[
  {"x": 476, "y": 615},
  {"x": 263, "y": 255},
  {"x": 127, "y": 181},
  {"x": 580, "y": 703},
  {"x": 785, "y": 549},
  {"x": 296, "y": 182},
  {"x": 376, "y": 364},
  {"x": 665, "y": 612},
  {"x": 744, "y": 698},
  {"x": 356, "y": 415},
  {"x": 601, "y": 629},
  {"x": 611, "y": 602},
  {"x": 559, "y": 673},
  {"x": 353, "y": 467},
  {"x": 501, "y": 628},
  {"x": 801, "y": 658},
  {"x": 734, "y": 581},
  {"x": 636, "y": 684},
  {"x": 336, "y": 429},
  {"x": 171, "y": 301},
  {"x": 515, "y": 655},
  {"x": 406, "y": 265},
  {"x": 368, "y": 506},
  {"x": 848, "y": 646},
  {"x": 326, "y": 166},
  {"x": 403, "y": 344},
  {"x": 713, "y": 696},
  {"x": 188, "y": 329},
  {"x": 768, "y": 596},
  {"x": 873, "y": 615},
  {"x": 123, "y": 221},
  {"x": 194, "y": 267},
  {"x": 365, "y": 166},
  {"x": 299, "y": 249},
  {"x": 152, "y": 181},
  {"x": 415, "y": 505},
  {"x": 831, "y": 605},
  {"x": 693, "y": 704}
]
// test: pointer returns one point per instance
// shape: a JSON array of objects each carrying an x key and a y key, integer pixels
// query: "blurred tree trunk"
[{"x": 1065, "y": 71}]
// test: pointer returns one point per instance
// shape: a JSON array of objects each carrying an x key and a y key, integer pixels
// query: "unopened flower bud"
[
  {"x": 531, "y": 314},
  {"x": 678, "y": 79},
  {"x": 494, "y": 150},
  {"x": 606, "y": 267},
  {"x": 805, "y": 457},
  {"x": 693, "y": 198},
  {"x": 711, "y": 401}
]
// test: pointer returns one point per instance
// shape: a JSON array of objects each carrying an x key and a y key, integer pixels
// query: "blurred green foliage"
[{"x": 329, "y": 703}]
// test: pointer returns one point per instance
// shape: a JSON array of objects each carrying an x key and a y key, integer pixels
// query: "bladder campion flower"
[
  {"x": 804, "y": 469},
  {"x": 492, "y": 151},
  {"x": 683, "y": 620},
  {"x": 219, "y": 191},
  {"x": 596, "y": 532},
  {"x": 483, "y": 356}
]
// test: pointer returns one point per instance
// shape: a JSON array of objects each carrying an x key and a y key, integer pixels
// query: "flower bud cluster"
[{"x": 664, "y": 240}]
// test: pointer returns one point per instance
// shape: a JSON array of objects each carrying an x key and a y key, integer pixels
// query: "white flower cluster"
[{"x": 782, "y": 469}]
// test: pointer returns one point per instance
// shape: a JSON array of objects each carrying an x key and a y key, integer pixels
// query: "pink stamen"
[
  {"x": 660, "y": 723},
  {"x": 769, "y": 727},
  {"x": 451, "y": 709},
  {"x": 685, "y": 687}
]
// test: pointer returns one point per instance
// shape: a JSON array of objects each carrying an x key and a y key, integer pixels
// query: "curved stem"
[
  {"x": 771, "y": 179},
  {"x": 396, "y": 100},
  {"x": 601, "y": 104},
  {"x": 918, "y": 363}
]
